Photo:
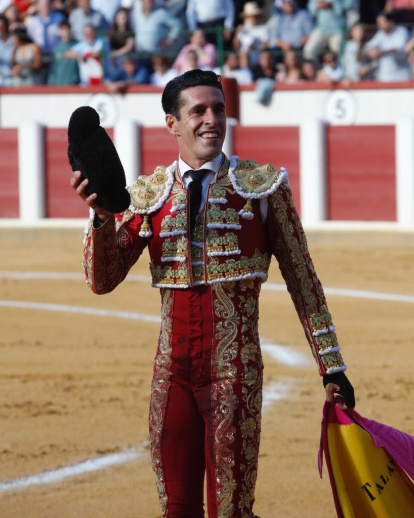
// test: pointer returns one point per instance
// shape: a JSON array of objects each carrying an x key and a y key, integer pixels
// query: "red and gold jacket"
[{"x": 229, "y": 242}]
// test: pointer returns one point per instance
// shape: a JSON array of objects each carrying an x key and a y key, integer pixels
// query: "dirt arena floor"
[{"x": 75, "y": 386}]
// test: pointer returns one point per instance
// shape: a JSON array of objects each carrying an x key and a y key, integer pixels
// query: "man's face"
[
  {"x": 289, "y": 6},
  {"x": 89, "y": 34},
  {"x": 201, "y": 129},
  {"x": 384, "y": 24}
]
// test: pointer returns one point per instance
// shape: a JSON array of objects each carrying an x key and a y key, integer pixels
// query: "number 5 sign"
[
  {"x": 340, "y": 108},
  {"x": 106, "y": 107}
]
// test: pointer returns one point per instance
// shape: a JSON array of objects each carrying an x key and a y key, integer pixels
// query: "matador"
[{"x": 211, "y": 224}]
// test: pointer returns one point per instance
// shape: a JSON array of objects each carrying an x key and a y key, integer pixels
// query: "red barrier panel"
[
  {"x": 158, "y": 147},
  {"x": 361, "y": 173},
  {"x": 278, "y": 146},
  {"x": 61, "y": 201},
  {"x": 9, "y": 177}
]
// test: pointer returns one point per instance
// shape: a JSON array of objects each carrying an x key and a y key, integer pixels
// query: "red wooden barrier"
[
  {"x": 158, "y": 147},
  {"x": 278, "y": 146},
  {"x": 361, "y": 173},
  {"x": 9, "y": 176}
]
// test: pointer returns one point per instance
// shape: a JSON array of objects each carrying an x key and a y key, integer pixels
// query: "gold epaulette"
[
  {"x": 149, "y": 193},
  {"x": 252, "y": 180}
]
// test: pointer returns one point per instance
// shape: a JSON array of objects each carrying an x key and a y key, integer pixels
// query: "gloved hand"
[
  {"x": 92, "y": 152},
  {"x": 346, "y": 390}
]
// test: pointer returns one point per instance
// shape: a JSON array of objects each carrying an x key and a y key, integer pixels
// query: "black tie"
[{"x": 194, "y": 192}]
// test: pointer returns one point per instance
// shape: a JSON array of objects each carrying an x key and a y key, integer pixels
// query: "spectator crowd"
[{"x": 122, "y": 42}]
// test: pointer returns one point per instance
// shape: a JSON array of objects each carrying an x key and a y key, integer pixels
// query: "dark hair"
[
  {"x": 171, "y": 98},
  {"x": 6, "y": 22},
  {"x": 64, "y": 23},
  {"x": 390, "y": 16},
  {"x": 22, "y": 35}
]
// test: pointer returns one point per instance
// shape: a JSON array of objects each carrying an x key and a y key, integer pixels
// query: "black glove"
[
  {"x": 346, "y": 389},
  {"x": 92, "y": 152}
]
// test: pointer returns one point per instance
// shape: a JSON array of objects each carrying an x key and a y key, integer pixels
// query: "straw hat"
[{"x": 251, "y": 9}]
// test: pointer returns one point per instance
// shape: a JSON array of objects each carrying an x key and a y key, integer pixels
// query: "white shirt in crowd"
[{"x": 393, "y": 66}]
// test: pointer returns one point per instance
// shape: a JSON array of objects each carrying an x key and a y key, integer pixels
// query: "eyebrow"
[{"x": 197, "y": 107}]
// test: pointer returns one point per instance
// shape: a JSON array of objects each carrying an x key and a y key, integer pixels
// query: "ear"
[{"x": 172, "y": 125}]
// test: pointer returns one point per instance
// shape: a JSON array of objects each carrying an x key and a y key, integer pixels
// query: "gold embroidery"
[
  {"x": 173, "y": 225},
  {"x": 179, "y": 199},
  {"x": 147, "y": 191},
  {"x": 228, "y": 218},
  {"x": 159, "y": 394},
  {"x": 225, "y": 244},
  {"x": 174, "y": 249},
  {"x": 223, "y": 270},
  {"x": 295, "y": 263},
  {"x": 254, "y": 178},
  {"x": 87, "y": 262},
  {"x": 169, "y": 275},
  {"x": 224, "y": 399},
  {"x": 252, "y": 381}
]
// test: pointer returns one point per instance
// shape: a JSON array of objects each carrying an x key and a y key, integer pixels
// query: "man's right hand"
[{"x": 80, "y": 186}]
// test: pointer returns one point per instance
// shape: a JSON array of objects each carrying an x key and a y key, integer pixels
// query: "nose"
[{"x": 211, "y": 117}]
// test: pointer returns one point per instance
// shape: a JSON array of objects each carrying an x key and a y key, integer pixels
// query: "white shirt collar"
[{"x": 212, "y": 165}]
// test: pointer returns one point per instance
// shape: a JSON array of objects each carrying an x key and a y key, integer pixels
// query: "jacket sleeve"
[
  {"x": 288, "y": 244},
  {"x": 111, "y": 250}
]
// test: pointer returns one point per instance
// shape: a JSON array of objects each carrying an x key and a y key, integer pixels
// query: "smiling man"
[{"x": 211, "y": 224}]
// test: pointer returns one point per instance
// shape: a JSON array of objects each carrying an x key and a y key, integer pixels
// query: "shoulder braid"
[
  {"x": 149, "y": 193},
  {"x": 252, "y": 180}
]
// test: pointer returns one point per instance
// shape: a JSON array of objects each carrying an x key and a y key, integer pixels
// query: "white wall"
[{"x": 288, "y": 107}]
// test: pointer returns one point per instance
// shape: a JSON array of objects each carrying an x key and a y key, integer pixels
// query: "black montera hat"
[{"x": 92, "y": 152}]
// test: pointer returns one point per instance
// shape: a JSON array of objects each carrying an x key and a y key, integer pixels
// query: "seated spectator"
[
  {"x": 156, "y": 30},
  {"x": 331, "y": 71},
  {"x": 130, "y": 73},
  {"x": 91, "y": 54},
  {"x": 162, "y": 71},
  {"x": 290, "y": 29},
  {"x": 233, "y": 68},
  {"x": 43, "y": 28},
  {"x": 121, "y": 37},
  {"x": 63, "y": 71},
  {"x": 209, "y": 15},
  {"x": 308, "y": 71},
  {"x": 355, "y": 61},
  {"x": 252, "y": 36},
  {"x": 26, "y": 60},
  {"x": 191, "y": 60},
  {"x": 329, "y": 28},
  {"x": 85, "y": 15},
  {"x": 266, "y": 67},
  {"x": 291, "y": 72},
  {"x": 14, "y": 17},
  {"x": 387, "y": 49},
  {"x": 6, "y": 53},
  {"x": 206, "y": 53}
]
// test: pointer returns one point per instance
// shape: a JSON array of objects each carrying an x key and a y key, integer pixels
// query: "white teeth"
[{"x": 210, "y": 135}]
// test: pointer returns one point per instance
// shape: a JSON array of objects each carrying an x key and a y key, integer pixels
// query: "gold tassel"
[
  {"x": 247, "y": 211},
  {"x": 146, "y": 230}
]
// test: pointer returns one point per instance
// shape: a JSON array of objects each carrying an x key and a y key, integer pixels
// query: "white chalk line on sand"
[
  {"x": 357, "y": 294},
  {"x": 81, "y": 468},
  {"x": 273, "y": 392},
  {"x": 63, "y": 308}
]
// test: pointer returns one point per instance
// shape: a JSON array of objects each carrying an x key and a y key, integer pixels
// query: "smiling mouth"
[{"x": 210, "y": 135}]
